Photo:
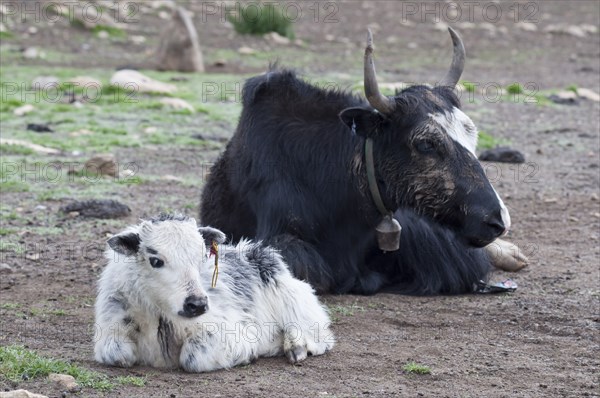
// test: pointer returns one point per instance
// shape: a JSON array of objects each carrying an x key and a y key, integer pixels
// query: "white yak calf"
[{"x": 156, "y": 306}]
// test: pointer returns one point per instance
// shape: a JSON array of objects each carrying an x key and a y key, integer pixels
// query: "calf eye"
[
  {"x": 156, "y": 262},
  {"x": 425, "y": 146}
]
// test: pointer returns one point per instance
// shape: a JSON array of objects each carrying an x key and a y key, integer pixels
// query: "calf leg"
[
  {"x": 115, "y": 334},
  {"x": 305, "y": 323}
]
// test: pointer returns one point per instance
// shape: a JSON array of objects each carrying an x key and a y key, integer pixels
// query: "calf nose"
[
  {"x": 194, "y": 306},
  {"x": 495, "y": 223}
]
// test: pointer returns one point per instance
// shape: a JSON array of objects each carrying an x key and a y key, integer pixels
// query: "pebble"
[
  {"x": 33, "y": 53},
  {"x": 5, "y": 269},
  {"x": 103, "y": 34},
  {"x": 276, "y": 38},
  {"x": 133, "y": 80},
  {"x": 246, "y": 50},
  {"x": 23, "y": 110},
  {"x": 102, "y": 164},
  {"x": 20, "y": 394},
  {"x": 177, "y": 103},
  {"x": 66, "y": 382}
]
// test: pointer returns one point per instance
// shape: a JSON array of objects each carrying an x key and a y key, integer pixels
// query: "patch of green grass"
[
  {"x": 13, "y": 186},
  {"x": 261, "y": 19},
  {"x": 53, "y": 194},
  {"x": 573, "y": 88},
  {"x": 18, "y": 363},
  {"x": 12, "y": 149},
  {"x": 469, "y": 87},
  {"x": 58, "y": 312},
  {"x": 346, "y": 310},
  {"x": 514, "y": 88},
  {"x": 487, "y": 141},
  {"x": 5, "y": 231},
  {"x": 6, "y": 35},
  {"x": 14, "y": 247},
  {"x": 413, "y": 367},
  {"x": 132, "y": 380},
  {"x": 111, "y": 30},
  {"x": 9, "y": 306}
]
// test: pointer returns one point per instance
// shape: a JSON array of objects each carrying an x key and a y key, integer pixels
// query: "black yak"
[{"x": 295, "y": 175}]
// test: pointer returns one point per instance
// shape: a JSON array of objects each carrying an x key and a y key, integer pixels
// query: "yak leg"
[
  {"x": 303, "y": 261},
  {"x": 506, "y": 256}
]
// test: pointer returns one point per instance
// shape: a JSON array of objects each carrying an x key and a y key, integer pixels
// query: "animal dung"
[{"x": 97, "y": 208}]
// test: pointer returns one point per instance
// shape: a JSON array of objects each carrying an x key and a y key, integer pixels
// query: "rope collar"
[{"x": 370, "y": 164}]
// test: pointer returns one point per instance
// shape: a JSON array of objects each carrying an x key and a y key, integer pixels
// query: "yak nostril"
[
  {"x": 194, "y": 306},
  {"x": 496, "y": 224}
]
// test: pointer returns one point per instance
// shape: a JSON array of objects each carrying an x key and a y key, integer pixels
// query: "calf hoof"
[
  {"x": 296, "y": 354},
  {"x": 506, "y": 256}
]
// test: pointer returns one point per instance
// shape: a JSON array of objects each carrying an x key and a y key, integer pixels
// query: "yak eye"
[
  {"x": 156, "y": 262},
  {"x": 425, "y": 146}
]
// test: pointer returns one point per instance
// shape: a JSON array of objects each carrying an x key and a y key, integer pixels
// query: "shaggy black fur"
[{"x": 292, "y": 176}]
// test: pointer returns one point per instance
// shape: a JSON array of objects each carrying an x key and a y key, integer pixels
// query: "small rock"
[
  {"x": 39, "y": 128},
  {"x": 591, "y": 29},
  {"x": 276, "y": 38},
  {"x": 220, "y": 63},
  {"x": 550, "y": 200},
  {"x": 5, "y": 269},
  {"x": 526, "y": 26},
  {"x": 33, "y": 256},
  {"x": 177, "y": 103},
  {"x": 37, "y": 148},
  {"x": 97, "y": 208},
  {"x": 133, "y": 80},
  {"x": 33, "y": 53},
  {"x": 150, "y": 130},
  {"x": 594, "y": 197},
  {"x": 164, "y": 14},
  {"x": 329, "y": 37},
  {"x": 103, "y": 34},
  {"x": 572, "y": 30},
  {"x": 45, "y": 82},
  {"x": 502, "y": 154},
  {"x": 80, "y": 133},
  {"x": 138, "y": 39},
  {"x": 588, "y": 94},
  {"x": 64, "y": 382},
  {"x": 564, "y": 98},
  {"x": 102, "y": 164},
  {"x": 20, "y": 394},
  {"x": 169, "y": 177},
  {"x": 32, "y": 30},
  {"x": 246, "y": 50},
  {"x": 85, "y": 81},
  {"x": 23, "y": 110},
  {"x": 412, "y": 45}
]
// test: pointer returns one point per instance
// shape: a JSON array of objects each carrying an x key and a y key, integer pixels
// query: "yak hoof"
[{"x": 506, "y": 256}]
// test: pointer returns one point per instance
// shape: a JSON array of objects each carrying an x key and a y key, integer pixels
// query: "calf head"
[
  {"x": 424, "y": 151},
  {"x": 168, "y": 253}
]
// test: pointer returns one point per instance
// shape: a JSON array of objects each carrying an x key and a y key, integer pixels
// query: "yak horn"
[
  {"x": 458, "y": 61},
  {"x": 377, "y": 100}
]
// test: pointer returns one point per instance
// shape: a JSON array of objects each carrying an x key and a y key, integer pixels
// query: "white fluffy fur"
[{"x": 246, "y": 317}]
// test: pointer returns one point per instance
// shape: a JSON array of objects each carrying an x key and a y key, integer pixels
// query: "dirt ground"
[{"x": 540, "y": 341}]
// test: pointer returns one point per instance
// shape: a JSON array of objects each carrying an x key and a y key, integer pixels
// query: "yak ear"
[
  {"x": 127, "y": 243},
  {"x": 365, "y": 122},
  {"x": 211, "y": 235}
]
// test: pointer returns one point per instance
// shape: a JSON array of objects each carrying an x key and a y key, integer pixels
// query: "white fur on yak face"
[
  {"x": 461, "y": 129},
  {"x": 181, "y": 248}
]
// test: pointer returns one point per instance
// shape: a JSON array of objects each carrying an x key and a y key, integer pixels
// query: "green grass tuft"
[
  {"x": 18, "y": 363},
  {"x": 487, "y": 141},
  {"x": 261, "y": 19},
  {"x": 514, "y": 88},
  {"x": 413, "y": 367},
  {"x": 469, "y": 87}
]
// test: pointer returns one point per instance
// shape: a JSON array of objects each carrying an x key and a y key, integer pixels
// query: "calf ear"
[
  {"x": 362, "y": 121},
  {"x": 127, "y": 243},
  {"x": 211, "y": 235}
]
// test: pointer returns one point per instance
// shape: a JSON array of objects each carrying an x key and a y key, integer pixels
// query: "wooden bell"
[{"x": 388, "y": 234}]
